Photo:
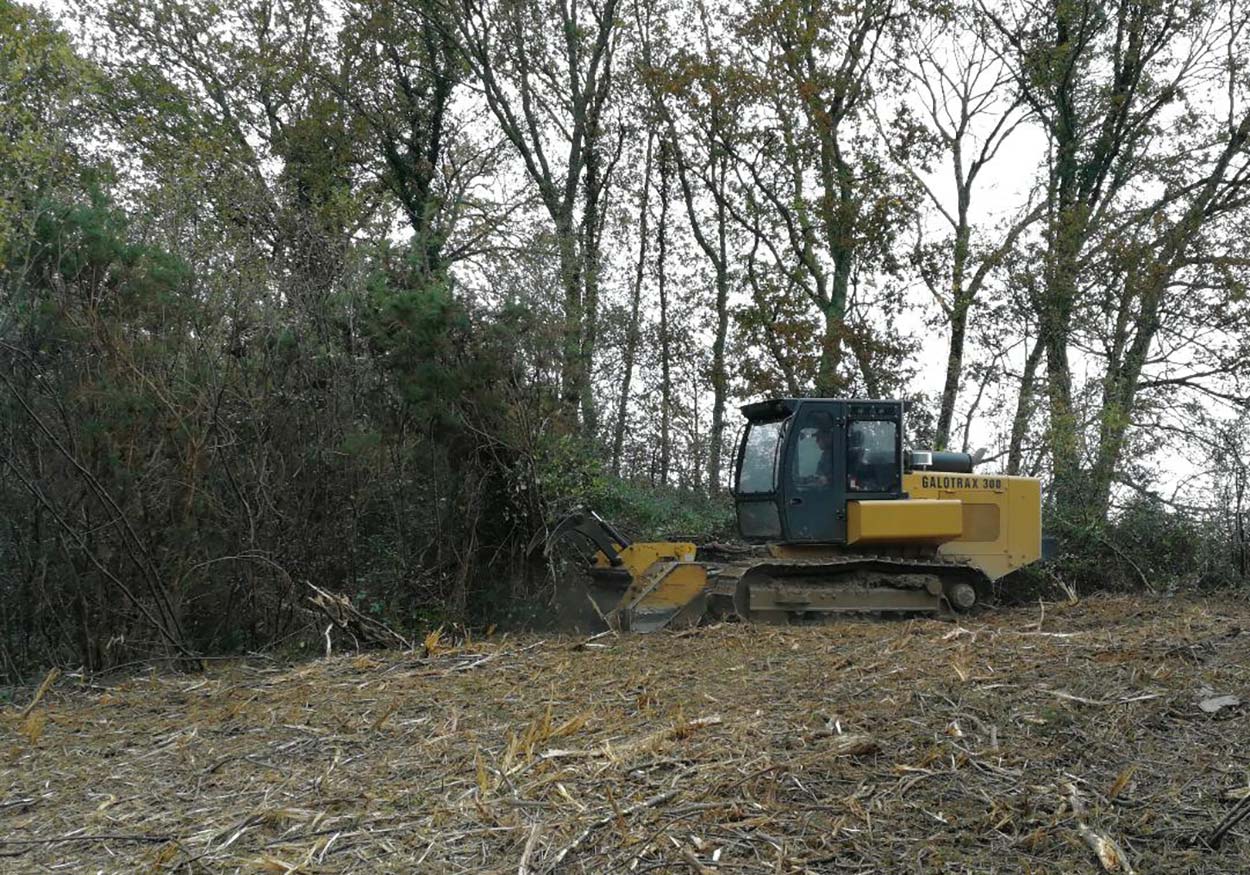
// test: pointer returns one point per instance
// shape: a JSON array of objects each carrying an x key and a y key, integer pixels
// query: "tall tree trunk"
[
  {"x": 666, "y": 378},
  {"x": 828, "y": 380},
  {"x": 720, "y": 380},
  {"x": 1024, "y": 408},
  {"x": 961, "y": 303},
  {"x": 1120, "y": 388},
  {"x": 717, "y": 252},
  {"x": 581, "y": 50},
  {"x": 1124, "y": 377},
  {"x": 631, "y": 335},
  {"x": 571, "y": 374},
  {"x": 954, "y": 374},
  {"x": 589, "y": 404},
  {"x": 1065, "y": 430},
  {"x": 591, "y": 256},
  {"x": 838, "y": 220},
  {"x": 1066, "y": 236},
  {"x": 1055, "y": 309},
  {"x": 695, "y": 470}
]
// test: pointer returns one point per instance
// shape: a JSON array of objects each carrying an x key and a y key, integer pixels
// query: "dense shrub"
[{"x": 1148, "y": 546}]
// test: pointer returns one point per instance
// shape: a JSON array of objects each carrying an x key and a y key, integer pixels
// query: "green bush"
[
  {"x": 648, "y": 512},
  {"x": 1148, "y": 545}
]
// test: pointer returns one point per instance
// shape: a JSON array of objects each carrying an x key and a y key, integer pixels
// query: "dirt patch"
[{"x": 921, "y": 746}]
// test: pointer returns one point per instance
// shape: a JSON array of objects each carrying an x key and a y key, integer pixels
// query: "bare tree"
[
  {"x": 968, "y": 111},
  {"x": 632, "y": 329},
  {"x": 827, "y": 200},
  {"x": 1103, "y": 83},
  {"x": 663, "y": 328},
  {"x": 692, "y": 95},
  {"x": 546, "y": 71}
]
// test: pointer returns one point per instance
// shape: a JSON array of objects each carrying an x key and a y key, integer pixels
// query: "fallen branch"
[
  {"x": 671, "y": 733},
  {"x": 1239, "y": 813},
  {"x": 48, "y": 681},
  {"x": 608, "y": 818},
  {"x": 693, "y": 861},
  {"x": 1103, "y": 703},
  {"x": 1109, "y": 854},
  {"x": 645, "y": 743},
  {"x": 98, "y": 837},
  {"x": 524, "y": 867},
  {"x": 340, "y": 611},
  {"x": 847, "y": 745}
]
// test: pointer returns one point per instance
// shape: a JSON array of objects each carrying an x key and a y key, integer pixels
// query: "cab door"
[{"x": 813, "y": 477}]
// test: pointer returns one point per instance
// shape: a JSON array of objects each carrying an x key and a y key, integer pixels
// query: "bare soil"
[{"x": 1069, "y": 739}]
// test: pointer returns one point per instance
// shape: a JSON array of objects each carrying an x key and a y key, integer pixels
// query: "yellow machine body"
[
  {"x": 666, "y": 585},
  {"x": 640, "y": 556},
  {"x": 836, "y": 518},
  {"x": 989, "y": 523},
  {"x": 1000, "y": 517},
  {"x": 992, "y": 523},
  {"x": 905, "y": 521}
]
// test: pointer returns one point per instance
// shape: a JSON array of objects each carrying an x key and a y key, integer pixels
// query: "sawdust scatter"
[{"x": 876, "y": 746}]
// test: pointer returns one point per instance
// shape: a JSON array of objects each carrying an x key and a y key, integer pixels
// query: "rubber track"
[{"x": 725, "y": 582}]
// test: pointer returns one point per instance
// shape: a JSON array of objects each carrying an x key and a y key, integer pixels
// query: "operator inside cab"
[
  {"x": 857, "y": 470},
  {"x": 871, "y": 464},
  {"x": 824, "y": 467},
  {"x": 862, "y": 470}
]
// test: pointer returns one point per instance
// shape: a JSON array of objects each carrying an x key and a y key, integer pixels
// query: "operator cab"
[{"x": 801, "y": 459}]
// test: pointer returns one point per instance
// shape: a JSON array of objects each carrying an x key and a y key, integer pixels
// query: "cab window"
[
  {"x": 758, "y": 473},
  {"x": 812, "y": 457},
  {"x": 807, "y": 454},
  {"x": 872, "y": 463}
]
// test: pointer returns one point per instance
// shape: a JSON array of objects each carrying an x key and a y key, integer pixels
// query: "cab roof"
[{"x": 779, "y": 408}]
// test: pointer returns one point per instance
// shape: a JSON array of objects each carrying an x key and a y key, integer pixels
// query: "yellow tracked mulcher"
[{"x": 837, "y": 518}]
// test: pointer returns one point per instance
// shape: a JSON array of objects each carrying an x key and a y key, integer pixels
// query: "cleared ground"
[{"x": 922, "y": 746}]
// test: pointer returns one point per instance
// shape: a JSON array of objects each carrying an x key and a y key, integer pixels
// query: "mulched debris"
[{"x": 1056, "y": 738}]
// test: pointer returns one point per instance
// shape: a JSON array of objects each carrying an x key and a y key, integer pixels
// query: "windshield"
[{"x": 759, "y": 457}]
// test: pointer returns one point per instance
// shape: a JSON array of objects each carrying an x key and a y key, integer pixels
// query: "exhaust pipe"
[{"x": 940, "y": 460}]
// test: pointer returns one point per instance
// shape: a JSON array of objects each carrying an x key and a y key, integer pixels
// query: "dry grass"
[{"x": 921, "y": 746}]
